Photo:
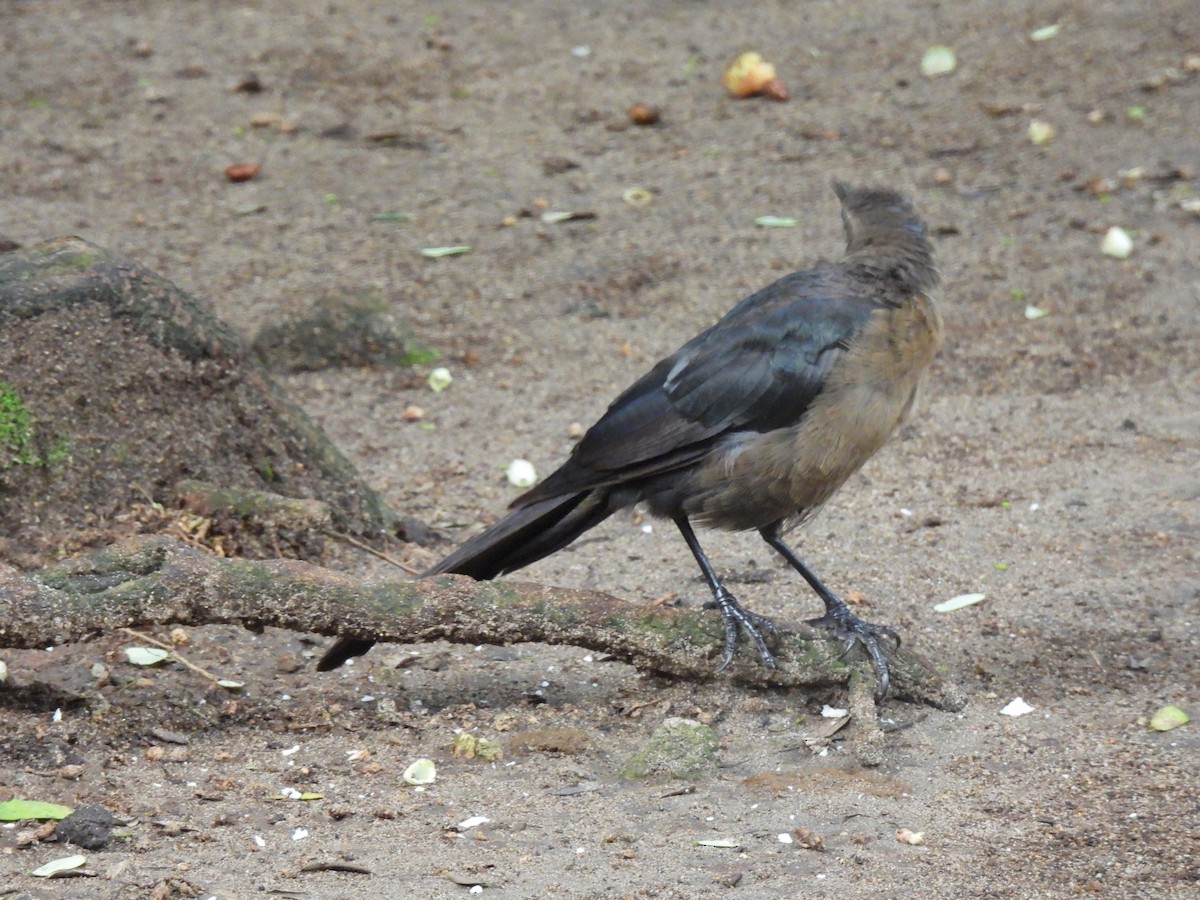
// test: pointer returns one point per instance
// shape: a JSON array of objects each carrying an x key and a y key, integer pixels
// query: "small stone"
[
  {"x": 556, "y": 165},
  {"x": 250, "y": 84},
  {"x": 808, "y": 839},
  {"x": 89, "y": 827}
]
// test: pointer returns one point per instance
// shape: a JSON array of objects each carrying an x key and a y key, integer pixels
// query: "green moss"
[
  {"x": 80, "y": 261},
  {"x": 418, "y": 355},
  {"x": 679, "y": 748},
  {"x": 75, "y": 262},
  {"x": 58, "y": 453},
  {"x": 16, "y": 429},
  {"x": 700, "y": 632},
  {"x": 17, "y": 445}
]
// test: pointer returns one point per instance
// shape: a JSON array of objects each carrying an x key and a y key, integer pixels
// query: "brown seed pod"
[
  {"x": 643, "y": 114},
  {"x": 242, "y": 171}
]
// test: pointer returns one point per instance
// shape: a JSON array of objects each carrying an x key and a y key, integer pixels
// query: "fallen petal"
[
  {"x": 1018, "y": 707},
  {"x": 959, "y": 602}
]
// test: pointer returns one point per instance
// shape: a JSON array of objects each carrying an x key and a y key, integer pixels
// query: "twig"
[
  {"x": 355, "y": 542},
  {"x": 179, "y": 657}
]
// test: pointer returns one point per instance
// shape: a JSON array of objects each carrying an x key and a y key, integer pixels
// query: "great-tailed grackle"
[{"x": 754, "y": 423}]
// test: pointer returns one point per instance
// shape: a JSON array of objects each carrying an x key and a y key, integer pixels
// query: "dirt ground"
[{"x": 1054, "y": 467}]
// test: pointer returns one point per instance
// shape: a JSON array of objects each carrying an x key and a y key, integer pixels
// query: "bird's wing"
[{"x": 757, "y": 369}]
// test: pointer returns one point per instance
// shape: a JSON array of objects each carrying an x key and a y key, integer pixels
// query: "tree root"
[{"x": 158, "y": 581}]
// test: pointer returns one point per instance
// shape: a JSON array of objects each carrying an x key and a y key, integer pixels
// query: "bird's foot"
[
  {"x": 853, "y": 630},
  {"x": 736, "y": 620}
]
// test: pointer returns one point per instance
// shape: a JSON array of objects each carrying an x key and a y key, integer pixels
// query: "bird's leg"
[
  {"x": 734, "y": 617},
  {"x": 849, "y": 627}
]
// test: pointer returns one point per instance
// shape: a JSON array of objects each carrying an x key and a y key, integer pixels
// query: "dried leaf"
[
  {"x": 421, "y": 771},
  {"x": 55, "y": 866},
  {"x": 960, "y": 602},
  {"x": 637, "y": 196},
  {"x": 146, "y": 656},
  {"x": 554, "y": 217},
  {"x": 1168, "y": 718}
]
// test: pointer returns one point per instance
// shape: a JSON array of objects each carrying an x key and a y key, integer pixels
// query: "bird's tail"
[{"x": 525, "y": 535}]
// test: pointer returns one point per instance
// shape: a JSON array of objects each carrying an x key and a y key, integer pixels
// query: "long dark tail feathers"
[
  {"x": 524, "y": 536},
  {"x": 527, "y": 534}
]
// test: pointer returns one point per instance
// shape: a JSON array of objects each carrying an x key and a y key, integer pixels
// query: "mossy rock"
[
  {"x": 119, "y": 385},
  {"x": 679, "y": 748}
]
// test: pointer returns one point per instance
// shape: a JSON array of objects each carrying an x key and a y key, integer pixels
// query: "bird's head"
[{"x": 882, "y": 227}]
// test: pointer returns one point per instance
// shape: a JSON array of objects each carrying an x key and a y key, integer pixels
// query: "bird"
[{"x": 753, "y": 424}]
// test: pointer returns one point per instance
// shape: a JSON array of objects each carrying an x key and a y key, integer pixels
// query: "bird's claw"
[
  {"x": 735, "y": 620},
  {"x": 854, "y": 631}
]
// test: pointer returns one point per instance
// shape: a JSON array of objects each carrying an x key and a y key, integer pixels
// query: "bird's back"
[{"x": 765, "y": 414}]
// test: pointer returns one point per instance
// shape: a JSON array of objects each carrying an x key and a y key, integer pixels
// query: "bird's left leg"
[
  {"x": 849, "y": 627},
  {"x": 733, "y": 615}
]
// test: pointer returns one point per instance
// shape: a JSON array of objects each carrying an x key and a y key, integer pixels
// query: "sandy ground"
[{"x": 1054, "y": 466}]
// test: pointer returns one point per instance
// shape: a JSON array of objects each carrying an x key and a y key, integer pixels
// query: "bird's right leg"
[
  {"x": 849, "y": 627},
  {"x": 735, "y": 618}
]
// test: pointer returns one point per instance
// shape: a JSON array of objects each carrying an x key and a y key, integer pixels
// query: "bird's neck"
[{"x": 897, "y": 252}]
